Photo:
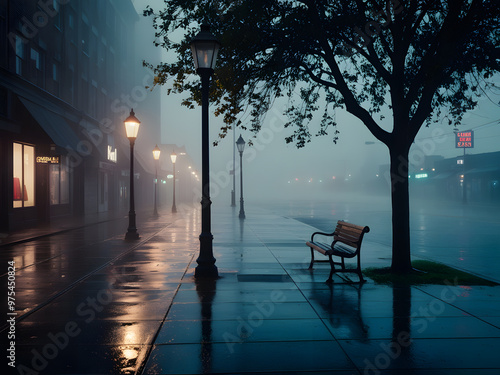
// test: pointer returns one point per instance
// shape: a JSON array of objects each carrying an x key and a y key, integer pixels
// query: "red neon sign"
[{"x": 464, "y": 139}]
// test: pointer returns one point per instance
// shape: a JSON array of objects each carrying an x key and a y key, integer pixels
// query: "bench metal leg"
[
  {"x": 361, "y": 280},
  {"x": 312, "y": 259},
  {"x": 332, "y": 269}
]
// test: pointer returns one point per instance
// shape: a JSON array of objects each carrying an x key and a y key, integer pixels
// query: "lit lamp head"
[
  {"x": 240, "y": 143},
  {"x": 173, "y": 157},
  {"x": 156, "y": 153},
  {"x": 132, "y": 126},
  {"x": 204, "y": 48}
]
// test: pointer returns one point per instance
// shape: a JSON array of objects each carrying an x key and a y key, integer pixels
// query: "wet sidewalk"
[
  {"x": 268, "y": 314},
  {"x": 59, "y": 225},
  {"x": 138, "y": 309},
  {"x": 89, "y": 302}
]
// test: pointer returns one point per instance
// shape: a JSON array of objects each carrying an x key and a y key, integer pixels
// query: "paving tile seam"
[
  {"x": 43, "y": 235},
  {"x": 352, "y": 362},
  {"x": 426, "y": 292},
  {"x": 230, "y": 319},
  {"x": 293, "y": 284},
  {"x": 459, "y": 308},
  {"x": 83, "y": 278},
  {"x": 338, "y": 340},
  {"x": 34, "y": 264},
  {"x": 141, "y": 367},
  {"x": 242, "y": 342},
  {"x": 66, "y": 251},
  {"x": 422, "y": 339}
]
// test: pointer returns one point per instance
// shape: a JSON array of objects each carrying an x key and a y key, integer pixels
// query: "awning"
[
  {"x": 56, "y": 127},
  {"x": 94, "y": 135}
]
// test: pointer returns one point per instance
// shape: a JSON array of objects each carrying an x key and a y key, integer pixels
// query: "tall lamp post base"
[
  {"x": 206, "y": 272},
  {"x": 206, "y": 261},
  {"x": 131, "y": 235},
  {"x": 233, "y": 201}
]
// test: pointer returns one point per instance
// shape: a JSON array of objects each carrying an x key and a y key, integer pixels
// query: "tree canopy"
[{"x": 423, "y": 57}]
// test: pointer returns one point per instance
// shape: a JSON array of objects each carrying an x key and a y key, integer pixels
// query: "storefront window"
[
  {"x": 59, "y": 182},
  {"x": 24, "y": 175}
]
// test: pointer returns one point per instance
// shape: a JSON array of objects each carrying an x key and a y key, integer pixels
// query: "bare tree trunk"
[{"x": 401, "y": 262}]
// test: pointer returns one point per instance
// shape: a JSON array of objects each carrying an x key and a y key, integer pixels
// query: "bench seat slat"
[
  {"x": 347, "y": 242},
  {"x": 338, "y": 249},
  {"x": 342, "y": 250}
]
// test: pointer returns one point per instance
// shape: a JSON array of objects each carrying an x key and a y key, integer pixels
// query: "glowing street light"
[
  {"x": 156, "y": 156},
  {"x": 173, "y": 158},
  {"x": 132, "y": 128}
]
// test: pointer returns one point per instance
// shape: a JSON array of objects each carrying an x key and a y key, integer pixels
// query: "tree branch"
[{"x": 314, "y": 77}]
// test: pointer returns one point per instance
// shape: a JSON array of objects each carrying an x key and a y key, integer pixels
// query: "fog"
[
  {"x": 274, "y": 170},
  {"x": 322, "y": 169}
]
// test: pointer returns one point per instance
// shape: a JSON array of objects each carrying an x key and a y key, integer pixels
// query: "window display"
[{"x": 24, "y": 175}]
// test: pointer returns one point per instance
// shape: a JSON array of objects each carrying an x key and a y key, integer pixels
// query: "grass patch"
[{"x": 433, "y": 273}]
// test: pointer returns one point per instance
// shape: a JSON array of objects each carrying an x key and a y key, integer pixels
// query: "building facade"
[
  {"x": 467, "y": 178},
  {"x": 473, "y": 178},
  {"x": 69, "y": 74}
]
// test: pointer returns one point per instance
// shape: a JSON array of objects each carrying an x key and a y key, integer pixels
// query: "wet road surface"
[{"x": 88, "y": 300}]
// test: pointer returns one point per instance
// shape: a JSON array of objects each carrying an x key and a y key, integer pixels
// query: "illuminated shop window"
[
  {"x": 59, "y": 182},
  {"x": 24, "y": 175}
]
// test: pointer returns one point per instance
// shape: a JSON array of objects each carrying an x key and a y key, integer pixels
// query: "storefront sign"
[
  {"x": 47, "y": 159},
  {"x": 464, "y": 139},
  {"x": 421, "y": 175},
  {"x": 112, "y": 154}
]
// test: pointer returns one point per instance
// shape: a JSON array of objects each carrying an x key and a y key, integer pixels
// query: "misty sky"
[{"x": 271, "y": 163}]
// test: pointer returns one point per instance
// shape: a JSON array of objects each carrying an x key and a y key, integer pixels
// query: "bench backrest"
[{"x": 350, "y": 234}]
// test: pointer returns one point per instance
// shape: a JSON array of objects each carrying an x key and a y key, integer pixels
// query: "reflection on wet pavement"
[
  {"x": 122, "y": 309},
  {"x": 90, "y": 302},
  {"x": 267, "y": 313}
]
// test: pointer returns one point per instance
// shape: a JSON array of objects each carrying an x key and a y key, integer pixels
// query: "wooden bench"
[{"x": 346, "y": 243}]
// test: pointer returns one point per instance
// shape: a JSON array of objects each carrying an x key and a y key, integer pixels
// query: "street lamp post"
[
  {"x": 233, "y": 192},
  {"x": 240, "y": 143},
  {"x": 173, "y": 157},
  {"x": 156, "y": 156},
  {"x": 132, "y": 128},
  {"x": 204, "y": 48}
]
